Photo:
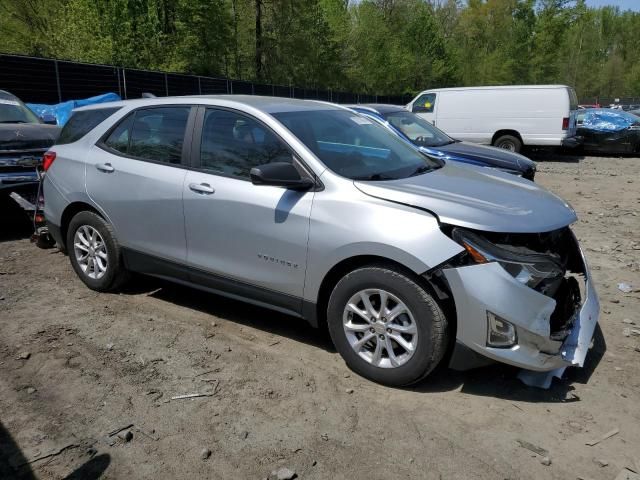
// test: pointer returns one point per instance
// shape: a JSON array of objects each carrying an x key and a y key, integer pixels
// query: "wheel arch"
[
  {"x": 432, "y": 281},
  {"x": 500, "y": 133},
  {"x": 69, "y": 212}
]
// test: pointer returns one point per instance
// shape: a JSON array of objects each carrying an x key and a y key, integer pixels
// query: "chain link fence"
[{"x": 50, "y": 81}]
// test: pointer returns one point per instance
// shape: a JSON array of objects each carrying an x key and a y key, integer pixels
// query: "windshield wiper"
[
  {"x": 12, "y": 121},
  {"x": 375, "y": 176}
]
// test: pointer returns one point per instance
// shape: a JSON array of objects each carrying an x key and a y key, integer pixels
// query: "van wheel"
[
  {"x": 508, "y": 142},
  {"x": 385, "y": 326},
  {"x": 95, "y": 253}
]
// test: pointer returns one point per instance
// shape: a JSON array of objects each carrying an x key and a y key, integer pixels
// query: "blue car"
[{"x": 436, "y": 143}]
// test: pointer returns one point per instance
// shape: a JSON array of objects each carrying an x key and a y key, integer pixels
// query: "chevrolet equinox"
[{"x": 313, "y": 210}]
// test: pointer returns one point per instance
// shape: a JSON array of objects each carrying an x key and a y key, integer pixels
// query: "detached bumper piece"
[{"x": 551, "y": 333}]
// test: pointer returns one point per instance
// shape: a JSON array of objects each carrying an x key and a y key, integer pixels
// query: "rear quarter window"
[{"x": 82, "y": 123}]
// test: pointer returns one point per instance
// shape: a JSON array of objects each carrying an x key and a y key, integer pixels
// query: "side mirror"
[{"x": 280, "y": 174}]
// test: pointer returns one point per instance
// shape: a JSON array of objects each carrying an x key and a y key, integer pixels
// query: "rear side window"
[
  {"x": 82, "y": 123},
  {"x": 155, "y": 134}
]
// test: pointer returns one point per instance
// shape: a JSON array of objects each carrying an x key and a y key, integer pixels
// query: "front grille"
[{"x": 20, "y": 160}]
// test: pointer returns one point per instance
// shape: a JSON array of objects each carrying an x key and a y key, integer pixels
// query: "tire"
[
  {"x": 508, "y": 142},
  {"x": 114, "y": 274},
  {"x": 426, "y": 316}
]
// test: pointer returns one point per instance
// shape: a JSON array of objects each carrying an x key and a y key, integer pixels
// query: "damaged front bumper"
[{"x": 482, "y": 288}]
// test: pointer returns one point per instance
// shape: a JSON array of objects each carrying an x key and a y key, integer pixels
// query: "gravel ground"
[{"x": 77, "y": 365}]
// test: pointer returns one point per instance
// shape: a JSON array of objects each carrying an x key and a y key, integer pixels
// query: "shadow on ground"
[
  {"x": 232, "y": 310},
  {"x": 14, "y": 465},
  {"x": 14, "y": 222},
  {"x": 498, "y": 381},
  {"x": 554, "y": 155}
]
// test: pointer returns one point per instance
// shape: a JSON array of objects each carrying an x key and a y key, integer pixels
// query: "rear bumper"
[
  {"x": 56, "y": 233},
  {"x": 488, "y": 287},
  {"x": 572, "y": 142}
]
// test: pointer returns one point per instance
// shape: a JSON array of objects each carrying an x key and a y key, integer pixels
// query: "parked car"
[
  {"x": 23, "y": 140},
  {"x": 312, "y": 210},
  {"x": 506, "y": 117},
  {"x": 609, "y": 131},
  {"x": 433, "y": 141}
]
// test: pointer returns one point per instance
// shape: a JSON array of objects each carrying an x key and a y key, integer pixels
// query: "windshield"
[
  {"x": 418, "y": 130},
  {"x": 354, "y": 146},
  {"x": 13, "y": 111}
]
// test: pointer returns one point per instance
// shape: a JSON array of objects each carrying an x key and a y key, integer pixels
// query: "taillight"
[
  {"x": 565, "y": 123},
  {"x": 47, "y": 160}
]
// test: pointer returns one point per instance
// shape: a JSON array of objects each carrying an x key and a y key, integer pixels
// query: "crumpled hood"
[
  {"x": 497, "y": 157},
  {"x": 478, "y": 198},
  {"x": 27, "y": 136}
]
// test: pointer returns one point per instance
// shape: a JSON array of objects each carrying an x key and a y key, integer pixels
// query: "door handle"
[
  {"x": 105, "y": 167},
  {"x": 203, "y": 188}
]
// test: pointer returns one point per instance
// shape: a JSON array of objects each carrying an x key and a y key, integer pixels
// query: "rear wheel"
[
  {"x": 94, "y": 252},
  {"x": 508, "y": 142},
  {"x": 386, "y": 326}
]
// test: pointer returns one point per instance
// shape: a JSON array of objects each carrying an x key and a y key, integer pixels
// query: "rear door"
[
  {"x": 135, "y": 174},
  {"x": 244, "y": 238},
  {"x": 573, "y": 112},
  {"x": 425, "y": 106}
]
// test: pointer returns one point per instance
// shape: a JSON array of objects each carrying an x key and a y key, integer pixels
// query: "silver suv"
[{"x": 314, "y": 210}]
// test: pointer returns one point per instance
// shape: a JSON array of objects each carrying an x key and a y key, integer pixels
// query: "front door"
[
  {"x": 425, "y": 107},
  {"x": 244, "y": 238},
  {"x": 136, "y": 177}
]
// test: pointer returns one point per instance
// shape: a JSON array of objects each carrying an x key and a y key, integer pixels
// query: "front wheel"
[
  {"x": 508, "y": 142},
  {"x": 386, "y": 326}
]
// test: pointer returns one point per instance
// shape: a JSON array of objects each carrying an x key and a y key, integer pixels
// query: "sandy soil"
[{"x": 281, "y": 396}]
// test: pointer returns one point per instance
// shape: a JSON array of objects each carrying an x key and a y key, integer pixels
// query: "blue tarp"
[
  {"x": 62, "y": 111},
  {"x": 607, "y": 120}
]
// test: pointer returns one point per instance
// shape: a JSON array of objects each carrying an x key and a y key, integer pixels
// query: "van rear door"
[{"x": 573, "y": 112}]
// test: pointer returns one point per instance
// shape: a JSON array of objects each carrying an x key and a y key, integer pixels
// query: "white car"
[{"x": 505, "y": 117}]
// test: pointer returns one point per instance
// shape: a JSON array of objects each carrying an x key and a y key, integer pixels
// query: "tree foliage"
[{"x": 372, "y": 46}]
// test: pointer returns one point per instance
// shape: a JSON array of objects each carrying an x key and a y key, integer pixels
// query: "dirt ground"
[{"x": 279, "y": 394}]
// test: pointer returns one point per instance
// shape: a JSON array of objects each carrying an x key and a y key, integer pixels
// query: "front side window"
[
  {"x": 155, "y": 134},
  {"x": 418, "y": 130},
  {"x": 232, "y": 144},
  {"x": 354, "y": 146},
  {"x": 425, "y": 103}
]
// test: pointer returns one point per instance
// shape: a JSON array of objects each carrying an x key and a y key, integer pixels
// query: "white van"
[{"x": 506, "y": 117}]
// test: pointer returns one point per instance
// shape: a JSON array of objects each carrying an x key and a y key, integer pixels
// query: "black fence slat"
[
  {"x": 213, "y": 86},
  {"x": 49, "y": 81},
  {"x": 79, "y": 80},
  {"x": 178, "y": 84},
  {"x": 240, "y": 87},
  {"x": 282, "y": 91},
  {"x": 137, "y": 82},
  {"x": 31, "y": 79}
]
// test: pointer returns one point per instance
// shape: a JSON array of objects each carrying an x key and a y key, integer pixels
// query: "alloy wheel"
[
  {"x": 380, "y": 328},
  {"x": 91, "y": 252}
]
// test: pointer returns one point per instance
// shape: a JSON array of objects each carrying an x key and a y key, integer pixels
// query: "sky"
[{"x": 623, "y": 4}]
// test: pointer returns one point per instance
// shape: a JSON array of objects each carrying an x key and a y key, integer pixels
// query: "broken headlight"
[{"x": 530, "y": 268}]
